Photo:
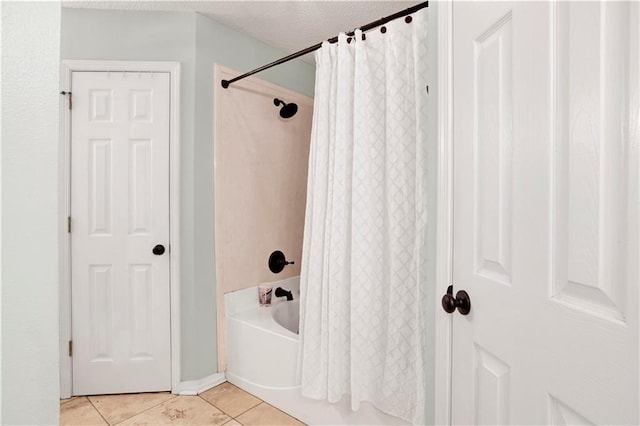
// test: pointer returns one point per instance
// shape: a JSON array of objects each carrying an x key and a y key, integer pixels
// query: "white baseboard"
[{"x": 196, "y": 387}]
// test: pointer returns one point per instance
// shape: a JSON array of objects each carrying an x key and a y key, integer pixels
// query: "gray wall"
[
  {"x": 196, "y": 42},
  {"x": 216, "y": 43},
  {"x": 30, "y": 108}
]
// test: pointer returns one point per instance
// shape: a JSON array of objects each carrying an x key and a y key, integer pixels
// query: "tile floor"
[{"x": 223, "y": 405}]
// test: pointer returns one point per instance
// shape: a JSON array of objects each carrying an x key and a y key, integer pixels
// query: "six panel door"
[
  {"x": 120, "y": 212},
  {"x": 546, "y": 229}
]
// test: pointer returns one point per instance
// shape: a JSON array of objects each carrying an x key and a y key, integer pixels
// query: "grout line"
[
  {"x": 221, "y": 410},
  {"x": 143, "y": 411},
  {"x": 218, "y": 408},
  {"x": 97, "y": 411},
  {"x": 285, "y": 413},
  {"x": 249, "y": 409}
]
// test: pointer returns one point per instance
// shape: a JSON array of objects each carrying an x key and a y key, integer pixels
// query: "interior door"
[
  {"x": 546, "y": 232},
  {"x": 120, "y": 232}
]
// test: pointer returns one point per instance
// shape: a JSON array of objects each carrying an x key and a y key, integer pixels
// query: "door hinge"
[
  {"x": 69, "y": 95},
  {"x": 70, "y": 347},
  {"x": 69, "y": 224}
]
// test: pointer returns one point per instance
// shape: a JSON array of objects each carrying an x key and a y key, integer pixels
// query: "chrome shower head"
[{"x": 287, "y": 110}]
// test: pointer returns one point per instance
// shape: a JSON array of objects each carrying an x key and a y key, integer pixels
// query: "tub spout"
[{"x": 282, "y": 292}]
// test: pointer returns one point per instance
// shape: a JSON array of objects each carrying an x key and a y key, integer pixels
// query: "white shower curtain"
[{"x": 363, "y": 274}]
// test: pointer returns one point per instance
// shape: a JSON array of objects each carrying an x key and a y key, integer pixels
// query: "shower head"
[{"x": 287, "y": 110}]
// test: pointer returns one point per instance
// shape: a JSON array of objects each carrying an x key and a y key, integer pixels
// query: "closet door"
[
  {"x": 546, "y": 232},
  {"x": 120, "y": 232}
]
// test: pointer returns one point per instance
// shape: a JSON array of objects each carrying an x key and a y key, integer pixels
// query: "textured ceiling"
[{"x": 288, "y": 25}]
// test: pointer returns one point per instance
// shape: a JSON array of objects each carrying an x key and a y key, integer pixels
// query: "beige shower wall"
[{"x": 260, "y": 163}]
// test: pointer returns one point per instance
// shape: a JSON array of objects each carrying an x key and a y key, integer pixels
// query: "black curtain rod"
[{"x": 370, "y": 25}]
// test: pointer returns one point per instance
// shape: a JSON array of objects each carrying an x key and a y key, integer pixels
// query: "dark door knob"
[
  {"x": 448, "y": 303},
  {"x": 462, "y": 302},
  {"x": 158, "y": 250}
]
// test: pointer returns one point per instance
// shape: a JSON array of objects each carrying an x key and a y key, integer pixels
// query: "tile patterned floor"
[{"x": 223, "y": 405}]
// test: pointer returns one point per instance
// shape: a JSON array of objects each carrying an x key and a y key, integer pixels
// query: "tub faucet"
[{"x": 282, "y": 292}]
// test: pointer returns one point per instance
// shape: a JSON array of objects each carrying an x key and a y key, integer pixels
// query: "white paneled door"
[
  {"x": 120, "y": 232},
  {"x": 546, "y": 212}
]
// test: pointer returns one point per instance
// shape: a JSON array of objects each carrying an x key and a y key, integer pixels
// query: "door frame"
[
  {"x": 444, "y": 237},
  {"x": 64, "y": 202}
]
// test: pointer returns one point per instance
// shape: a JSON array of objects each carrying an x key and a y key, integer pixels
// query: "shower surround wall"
[
  {"x": 261, "y": 184},
  {"x": 196, "y": 42}
]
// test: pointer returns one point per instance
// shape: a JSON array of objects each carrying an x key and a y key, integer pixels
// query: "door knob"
[
  {"x": 158, "y": 250},
  {"x": 462, "y": 302}
]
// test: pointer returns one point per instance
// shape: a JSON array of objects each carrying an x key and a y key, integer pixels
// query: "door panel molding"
[
  {"x": 493, "y": 139},
  {"x": 590, "y": 255},
  {"x": 68, "y": 67}
]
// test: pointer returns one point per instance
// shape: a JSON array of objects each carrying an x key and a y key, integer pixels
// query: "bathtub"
[
  {"x": 262, "y": 356},
  {"x": 260, "y": 351}
]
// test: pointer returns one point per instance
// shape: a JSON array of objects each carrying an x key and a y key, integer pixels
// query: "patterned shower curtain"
[{"x": 363, "y": 274}]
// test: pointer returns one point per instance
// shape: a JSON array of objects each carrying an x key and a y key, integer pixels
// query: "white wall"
[
  {"x": 432, "y": 197},
  {"x": 196, "y": 42},
  {"x": 30, "y": 108},
  {"x": 1, "y": 14}
]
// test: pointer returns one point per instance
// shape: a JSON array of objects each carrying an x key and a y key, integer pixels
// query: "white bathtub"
[
  {"x": 262, "y": 359},
  {"x": 259, "y": 350}
]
